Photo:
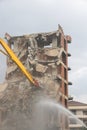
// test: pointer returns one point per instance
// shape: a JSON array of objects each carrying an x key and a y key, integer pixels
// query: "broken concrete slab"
[{"x": 3, "y": 87}]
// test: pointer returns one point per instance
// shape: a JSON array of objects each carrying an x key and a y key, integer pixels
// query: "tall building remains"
[{"x": 45, "y": 55}]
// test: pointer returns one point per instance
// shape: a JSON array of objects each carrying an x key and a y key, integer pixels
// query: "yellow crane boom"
[{"x": 18, "y": 63}]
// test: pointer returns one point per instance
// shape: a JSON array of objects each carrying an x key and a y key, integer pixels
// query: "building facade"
[
  {"x": 80, "y": 110},
  {"x": 45, "y": 56}
]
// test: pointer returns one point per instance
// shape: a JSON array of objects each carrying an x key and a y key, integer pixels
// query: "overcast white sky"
[{"x": 18, "y": 17}]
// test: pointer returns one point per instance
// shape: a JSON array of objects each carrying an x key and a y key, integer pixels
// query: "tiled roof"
[{"x": 76, "y": 103}]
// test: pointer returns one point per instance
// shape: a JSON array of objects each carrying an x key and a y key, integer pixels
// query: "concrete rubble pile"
[{"x": 40, "y": 54}]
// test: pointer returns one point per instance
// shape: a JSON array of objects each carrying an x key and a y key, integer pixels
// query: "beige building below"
[{"x": 80, "y": 110}]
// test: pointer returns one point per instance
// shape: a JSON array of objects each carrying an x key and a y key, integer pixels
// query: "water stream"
[
  {"x": 46, "y": 115},
  {"x": 50, "y": 115}
]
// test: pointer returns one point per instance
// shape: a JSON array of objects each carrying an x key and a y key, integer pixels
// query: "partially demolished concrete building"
[{"x": 45, "y": 55}]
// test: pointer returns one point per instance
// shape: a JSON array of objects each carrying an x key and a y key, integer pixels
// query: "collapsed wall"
[{"x": 45, "y": 57}]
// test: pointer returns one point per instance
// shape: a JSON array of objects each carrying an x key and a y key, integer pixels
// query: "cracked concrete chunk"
[
  {"x": 52, "y": 52},
  {"x": 41, "y": 68},
  {"x": 32, "y": 62},
  {"x": 3, "y": 87},
  {"x": 52, "y": 64}
]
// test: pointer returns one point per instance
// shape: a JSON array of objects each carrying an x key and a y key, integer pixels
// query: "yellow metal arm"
[{"x": 18, "y": 62}]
